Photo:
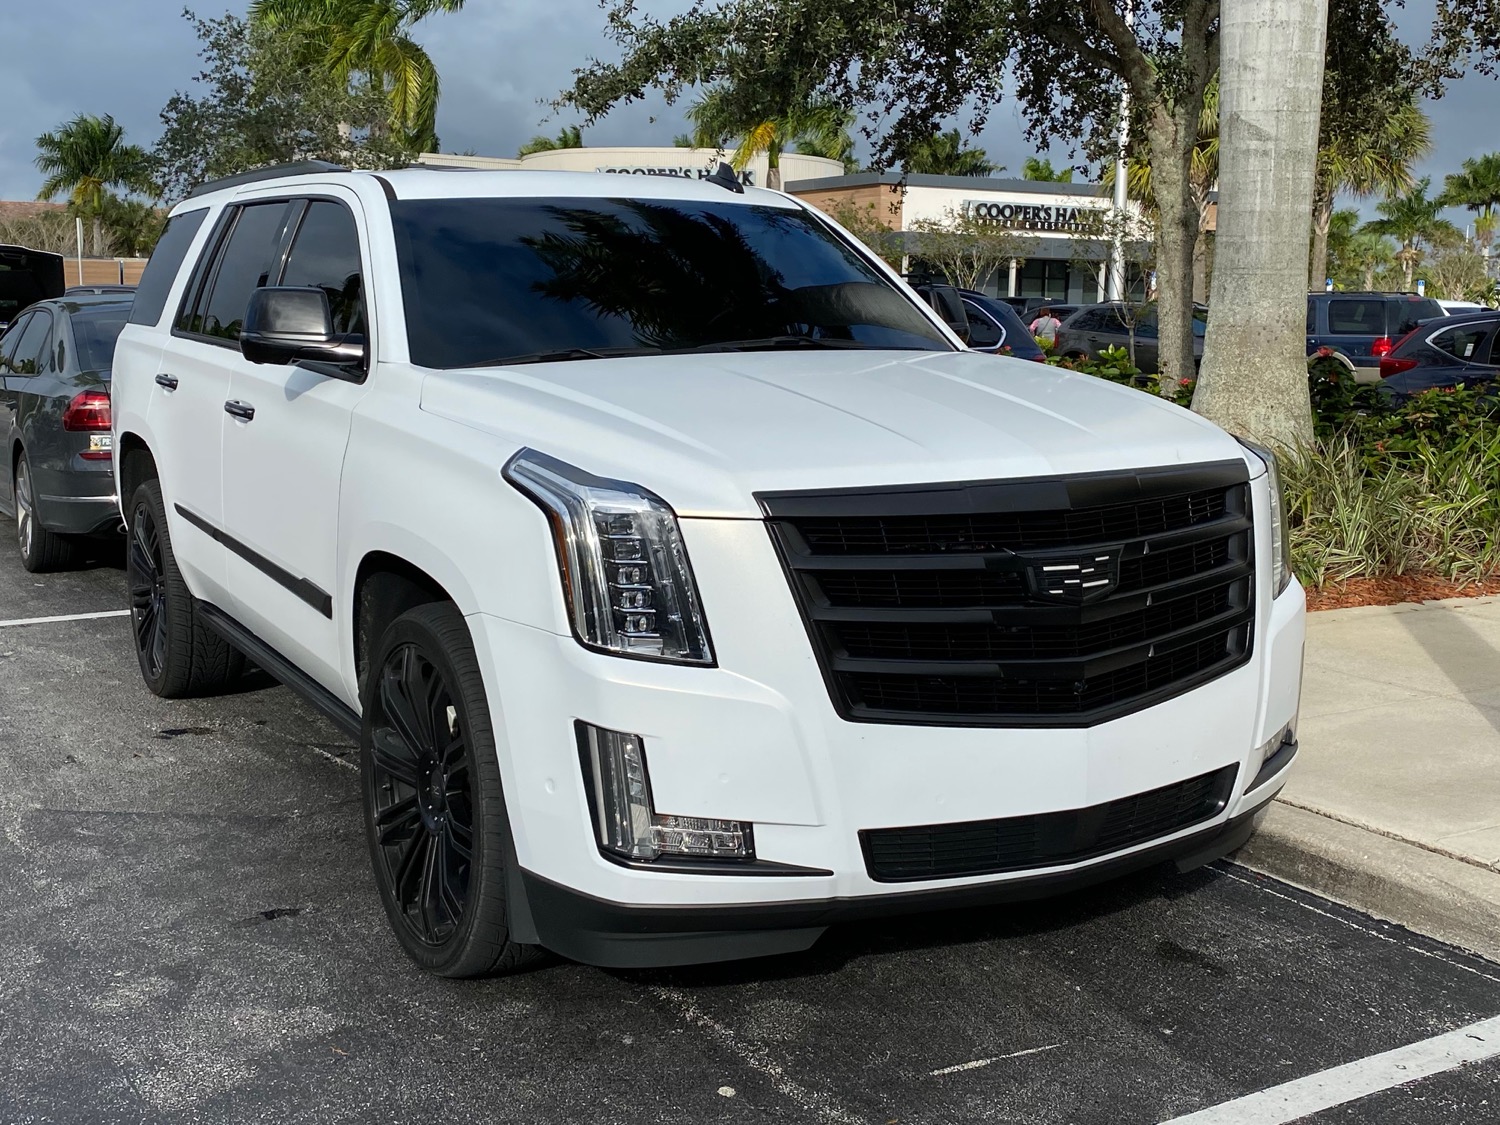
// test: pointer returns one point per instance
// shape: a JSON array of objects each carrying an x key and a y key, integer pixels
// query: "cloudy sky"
[{"x": 499, "y": 59}]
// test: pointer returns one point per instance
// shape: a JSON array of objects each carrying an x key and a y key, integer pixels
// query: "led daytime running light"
[{"x": 625, "y": 571}]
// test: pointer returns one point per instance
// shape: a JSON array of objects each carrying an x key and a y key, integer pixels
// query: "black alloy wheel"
[
  {"x": 423, "y": 799},
  {"x": 178, "y": 653},
  {"x": 435, "y": 815},
  {"x": 145, "y": 578}
]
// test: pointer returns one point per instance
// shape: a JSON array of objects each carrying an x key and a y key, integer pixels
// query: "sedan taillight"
[{"x": 88, "y": 412}]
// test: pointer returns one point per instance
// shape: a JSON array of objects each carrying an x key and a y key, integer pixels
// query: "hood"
[{"x": 708, "y": 431}]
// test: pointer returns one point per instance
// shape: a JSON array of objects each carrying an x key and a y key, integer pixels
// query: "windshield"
[
  {"x": 95, "y": 334},
  {"x": 486, "y": 280}
]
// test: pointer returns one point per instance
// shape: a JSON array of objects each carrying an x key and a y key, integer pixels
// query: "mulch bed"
[{"x": 1394, "y": 590}]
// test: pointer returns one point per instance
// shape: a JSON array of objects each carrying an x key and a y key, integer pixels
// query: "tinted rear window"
[
  {"x": 486, "y": 279},
  {"x": 94, "y": 334},
  {"x": 1357, "y": 317},
  {"x": 1467, "y": 342},
  {"x": 161, "y": 270}
]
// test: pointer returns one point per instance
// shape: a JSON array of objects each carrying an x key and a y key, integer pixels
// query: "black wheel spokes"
[
  {"x": 143, "y": 576},
  {"x": 424, "y": 814}
]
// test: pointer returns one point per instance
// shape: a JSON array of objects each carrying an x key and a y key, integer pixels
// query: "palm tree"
[
  {"x": 1375, "y": 159},
  {"x": 1477, "y": 187},
  {"x": 85, "y": 158},
  {"x": 1037, "y": 168},
  {"x": 370, "y": 38},
  {"x": 1413, "y": 220},
  {"x": 944, "y": 154},
  {"x": 570, "y": 136},
  {"x": 819, "y": 126}
]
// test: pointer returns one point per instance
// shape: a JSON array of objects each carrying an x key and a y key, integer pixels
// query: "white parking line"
[
  {"x": 1326, "y": 1089},
  {"x": 65, "y": 617},
  {"x": 977, "y": 1063}
]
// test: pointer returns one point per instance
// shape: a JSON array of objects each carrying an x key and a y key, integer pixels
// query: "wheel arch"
[
  {"x": 386, "y": 585},
  {"x": 136, "y": 464}
]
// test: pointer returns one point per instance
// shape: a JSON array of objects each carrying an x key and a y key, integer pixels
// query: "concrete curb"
[{"x": 1432, "y": 894}]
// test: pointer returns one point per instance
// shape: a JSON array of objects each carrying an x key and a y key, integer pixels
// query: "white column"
[{"x": 1011, "y": 289}]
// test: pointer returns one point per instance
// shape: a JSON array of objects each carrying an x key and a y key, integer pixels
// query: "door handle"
[
  {"x": 167, "y": 381},
  {"x": 241, "y": 410}
]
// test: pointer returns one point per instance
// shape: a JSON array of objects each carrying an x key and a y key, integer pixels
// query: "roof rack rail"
[{"x": 274, "y": 172}]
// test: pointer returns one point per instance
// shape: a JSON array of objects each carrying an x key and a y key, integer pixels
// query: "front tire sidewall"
[{"x": 480, "y": 944}]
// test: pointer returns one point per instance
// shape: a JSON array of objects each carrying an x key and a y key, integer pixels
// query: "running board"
[{"x": 269, "y": 660}]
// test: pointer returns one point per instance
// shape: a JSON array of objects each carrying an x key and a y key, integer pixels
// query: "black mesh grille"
[
  {"x": 989, "y": 847},
  {"x": 1065, "y": 605}
]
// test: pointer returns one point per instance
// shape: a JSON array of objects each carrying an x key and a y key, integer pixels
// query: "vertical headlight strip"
[
  {"x": 1281, "y": 553},
  {"x": 625, "y": 571}
]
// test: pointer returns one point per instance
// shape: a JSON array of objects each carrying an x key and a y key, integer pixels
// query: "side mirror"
[
  {"x": 949, "y": 305},
  {"x": 285, "y": 323}
]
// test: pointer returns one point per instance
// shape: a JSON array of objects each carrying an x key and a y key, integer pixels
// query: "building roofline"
[{"x": 977, "y": 183}]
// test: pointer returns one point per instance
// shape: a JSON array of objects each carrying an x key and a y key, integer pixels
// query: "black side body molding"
[
  {"x": 313, "y": 595},
  {"x": 268, "y": 659}
]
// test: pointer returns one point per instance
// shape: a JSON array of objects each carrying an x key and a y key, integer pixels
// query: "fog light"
[{"x": 627, "y": 825}]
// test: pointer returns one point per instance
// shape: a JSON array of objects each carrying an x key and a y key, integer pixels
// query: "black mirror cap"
[{"x": 286, "y": 323}]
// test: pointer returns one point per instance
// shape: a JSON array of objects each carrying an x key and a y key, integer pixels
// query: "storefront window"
[{"x": 1042, "y": 277}]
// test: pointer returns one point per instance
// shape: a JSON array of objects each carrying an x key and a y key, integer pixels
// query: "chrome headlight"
[
  {"x": 1281, "y": 551},
  {"x": 625, "y": 571}
]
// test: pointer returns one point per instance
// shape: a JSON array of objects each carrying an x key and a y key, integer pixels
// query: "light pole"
[{"x": 1117, "y": 251}]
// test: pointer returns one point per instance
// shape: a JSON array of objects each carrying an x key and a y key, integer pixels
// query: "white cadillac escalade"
[{"x": 687, "y": 583}]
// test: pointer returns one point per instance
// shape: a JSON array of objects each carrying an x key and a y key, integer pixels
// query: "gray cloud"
[{"x": 500, "y": 60}]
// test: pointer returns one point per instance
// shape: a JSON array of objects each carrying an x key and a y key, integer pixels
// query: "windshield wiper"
[
  {"x": 558, "y": 355},
  {"x": 774, "y": 343}
]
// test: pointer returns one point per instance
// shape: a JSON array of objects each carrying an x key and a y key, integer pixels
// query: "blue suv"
[{"x": 1364, "y": 328}]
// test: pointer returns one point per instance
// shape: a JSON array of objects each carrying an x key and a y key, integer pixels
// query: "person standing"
[{"x": 1045, "y": 326}]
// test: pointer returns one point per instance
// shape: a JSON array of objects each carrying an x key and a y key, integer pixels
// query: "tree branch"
[{"x": 1133, "y": 65}]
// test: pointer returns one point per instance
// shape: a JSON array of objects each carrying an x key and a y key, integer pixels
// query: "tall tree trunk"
[
  {"x": 99, "y": 238},
  {"x": 1408, "y": 265},
  {"x": 1254, "y": 378},
  {"x": 1171, "y": 134},
  {"x": 1317, "y": 273},
  {"x": 1369, "y": 278}
]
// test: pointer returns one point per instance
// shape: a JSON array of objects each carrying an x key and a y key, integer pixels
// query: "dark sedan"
[
  {"x": 1090, "y": 330},
  {"x": 1454, "y": 351},
  {"x": 54, "y": 417},
  {"x": 994, "y": 326}
]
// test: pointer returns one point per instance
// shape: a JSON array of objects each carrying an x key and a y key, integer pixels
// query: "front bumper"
[{"x": 624, "y": 936}]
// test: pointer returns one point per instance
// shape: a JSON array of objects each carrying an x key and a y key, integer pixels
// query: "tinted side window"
[
  {"x": 245, "y": 265},
  {"x": 1406, "y": 315},
  {"x": 1312, "y": 317},
  {"x": 325, "y": 255},
  {"x": 27, "y": 358},
  {"x": 1466, "y": 343},
  {"x": 11, "y": 338},
  {"x": 983, "y": 332},
  {"x": 1356, "y": 317},
  {"x": 162, "y": 269}
]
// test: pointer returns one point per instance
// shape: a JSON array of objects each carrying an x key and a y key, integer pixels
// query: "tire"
[
  {"x": 179, "y": 654},
  {"x": 41, "y": 550},
  {"x": 434, "y": 811}
]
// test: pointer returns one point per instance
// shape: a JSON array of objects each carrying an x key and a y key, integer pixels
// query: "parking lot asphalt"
[{"x": 190, "y": 933}]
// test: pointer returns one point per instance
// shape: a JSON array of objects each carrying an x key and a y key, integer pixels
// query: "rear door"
[
  {"x": 284, "y": 454},
  {"x": 187, "y": 411}
]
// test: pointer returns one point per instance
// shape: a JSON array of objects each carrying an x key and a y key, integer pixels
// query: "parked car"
[
  {"x": 1362, "y": 328},
  {"x": 1034, "y": 306},
  {"x": 686, "y": 585},
  {"x": 55, "y": 421},
  {"x": 1461, "y": 307},
  {"x": 80, "y": 290},
  {"x": 27, "y": 276},
  {"x": 1091, "y": 329},
  {"x": 1456, "y": 351},
  {"x": 996, "y": 327}
]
